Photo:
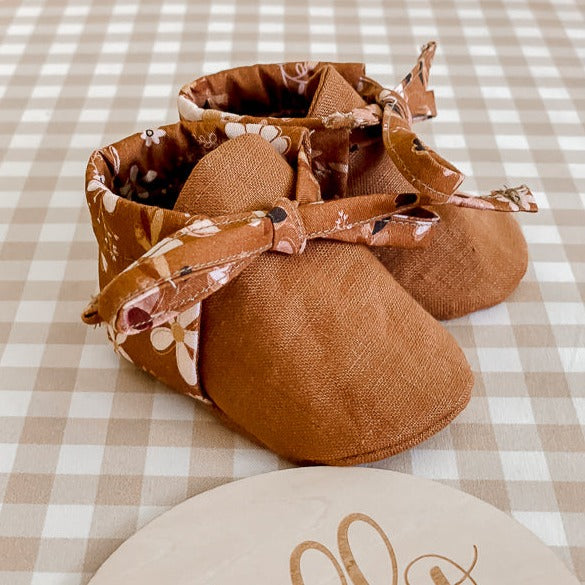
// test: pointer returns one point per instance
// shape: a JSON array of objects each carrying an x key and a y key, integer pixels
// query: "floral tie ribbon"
[
  {"x": 207, "y": 253},
  {"x": 436, "y": 179}
]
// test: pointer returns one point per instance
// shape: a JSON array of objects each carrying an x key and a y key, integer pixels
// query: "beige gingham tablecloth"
[{"x": 90, "y": 448}]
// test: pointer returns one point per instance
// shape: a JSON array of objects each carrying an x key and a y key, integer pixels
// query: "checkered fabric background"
[{"x": 90, "y": 448}]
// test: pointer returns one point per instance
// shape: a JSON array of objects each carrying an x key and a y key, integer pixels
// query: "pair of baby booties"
[{"x": 282, "y": 255}]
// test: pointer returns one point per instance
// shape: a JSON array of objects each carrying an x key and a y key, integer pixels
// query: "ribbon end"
[
  {"x": 518, "y": 197},
  {"x": 414, "y": 87},
  {"x": 427, "y": 52},
  {"x": 507, "y": 199},
  {"x": 90, "y": 315}
]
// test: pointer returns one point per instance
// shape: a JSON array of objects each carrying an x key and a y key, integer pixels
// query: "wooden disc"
[{"x": 324, "y": 525}]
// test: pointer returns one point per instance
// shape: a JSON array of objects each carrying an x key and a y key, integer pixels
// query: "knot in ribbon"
[{"x": 208, "y": 252}]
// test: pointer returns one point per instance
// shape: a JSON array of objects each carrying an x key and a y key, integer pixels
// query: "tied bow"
[
  {"x": 436, "y": 179},
  {"x": 207, "y": 253}
]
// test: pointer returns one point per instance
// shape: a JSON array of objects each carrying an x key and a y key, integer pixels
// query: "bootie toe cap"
[
  {"x": 381, "y": 377},
  {"x": 475, "y": 260}
]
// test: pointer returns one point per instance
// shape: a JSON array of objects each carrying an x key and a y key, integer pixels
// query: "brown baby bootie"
[
  {"x": 262, "y": 301},
  {"x": 363, "y": 143}
]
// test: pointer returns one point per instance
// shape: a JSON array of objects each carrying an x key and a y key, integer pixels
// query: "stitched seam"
[
  {"x": 301, "y": 225},
  {"x": 194, "y": 266},
  {"x": 412, "y": 178},
  {"x": 405, "y": 170},
  {"x": 241, "y": 255},
  {"x": 184, "y": 231},
  {"x": 407, "y": 442},
  {"x": 231, "y": 221},
  {"x": 227, "y": 222},
  {"x": 298, "y": 220},
  {"x": 413, "y": 222},
  {"x": 357, "y": 223},
  {"x": 179, "y": 307}
]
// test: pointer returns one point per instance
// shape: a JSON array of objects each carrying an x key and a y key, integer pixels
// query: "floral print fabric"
[
  {"x": 155, "y": 274},
  {"x": 185, "y": 341}
]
